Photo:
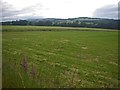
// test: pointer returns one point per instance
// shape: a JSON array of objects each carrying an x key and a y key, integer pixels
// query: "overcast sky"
[{"x": 30, "y": 9}]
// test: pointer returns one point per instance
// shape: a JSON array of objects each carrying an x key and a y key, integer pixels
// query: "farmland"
[{"x": 45, "y": 57}]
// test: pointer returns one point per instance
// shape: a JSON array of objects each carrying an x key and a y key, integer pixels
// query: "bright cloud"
[{"x": 25, "y": 9}]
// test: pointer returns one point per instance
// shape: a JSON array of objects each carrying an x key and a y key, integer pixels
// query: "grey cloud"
[
  {"x": 109, "y": 11},
  {"x": 10, "y": 13},
  {"x": 20, "y": 17},
  {"x": 32, "y": 8},
  {"x": 7, "y": 10}
]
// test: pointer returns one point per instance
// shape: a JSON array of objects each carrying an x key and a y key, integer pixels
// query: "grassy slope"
[{"x": 61, "y": 59}]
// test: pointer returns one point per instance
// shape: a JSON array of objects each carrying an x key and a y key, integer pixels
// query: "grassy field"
[
  {"x": 50, "y": 28},
  {"x": 45, "y": 57}
]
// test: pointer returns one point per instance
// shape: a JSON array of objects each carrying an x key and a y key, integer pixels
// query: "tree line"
[{"x": 100, "y": 23}]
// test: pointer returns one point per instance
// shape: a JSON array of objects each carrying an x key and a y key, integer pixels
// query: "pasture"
[{"x": 45, "y": 57}]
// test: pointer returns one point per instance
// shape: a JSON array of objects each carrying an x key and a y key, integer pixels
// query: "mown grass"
[{"x": 59, "y": 59}]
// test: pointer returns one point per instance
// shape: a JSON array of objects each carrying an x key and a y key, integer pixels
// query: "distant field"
[
  {"x": 50, "y": 28},
  {"x": 51, "y": 58}
]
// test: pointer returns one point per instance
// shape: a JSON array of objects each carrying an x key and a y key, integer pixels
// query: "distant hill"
[{"x": 70, "y": 22}]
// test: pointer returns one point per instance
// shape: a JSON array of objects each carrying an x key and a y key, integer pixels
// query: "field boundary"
[{"x": 48, "y": 28}]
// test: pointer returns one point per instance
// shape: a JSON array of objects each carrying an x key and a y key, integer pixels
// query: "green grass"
[
  {"x": 60, "y": 59},
  {"x": 50, "y": 28}
]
